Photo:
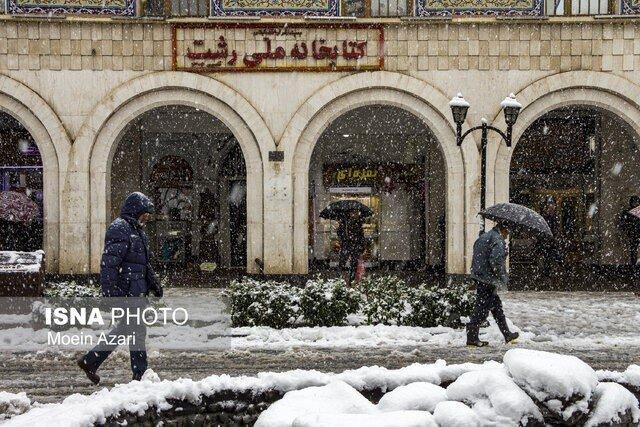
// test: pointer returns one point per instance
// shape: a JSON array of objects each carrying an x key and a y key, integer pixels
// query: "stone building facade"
[{"x": 76, "y": 84}]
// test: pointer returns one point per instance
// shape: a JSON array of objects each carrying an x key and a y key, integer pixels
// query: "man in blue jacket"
[
  {"x": 126, "y": 272},
  {"x": 489, "y": 271}
]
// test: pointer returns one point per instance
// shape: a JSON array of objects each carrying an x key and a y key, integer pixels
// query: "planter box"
[{"x": 21, "y": 273}]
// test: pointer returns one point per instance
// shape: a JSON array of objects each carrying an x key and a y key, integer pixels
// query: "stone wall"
[{"x": 587, "y": 44}]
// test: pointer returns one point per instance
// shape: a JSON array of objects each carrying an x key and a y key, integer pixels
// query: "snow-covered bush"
[
  {"x": 495, "y": 398},
  {"x": 439, "y": 305},
  {"x": 13, "y": 404},
  {"x": 328, "y": 302},
  {"x": 255, "y": 303},
  {"x": 615, "y": 405},
  {"x": 71, "y": 290},
  {"x": 418, "y": 396},
  {"x": 384, "y": 299},
  {"x": 562, "y": 385}
]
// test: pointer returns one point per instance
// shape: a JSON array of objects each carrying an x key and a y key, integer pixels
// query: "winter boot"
[
  {"x": 137, "y": 377},
  {"x": 477, "y": 343},
  {"x": 91, "y": 374},
  {"x": 511, "y": 336}
]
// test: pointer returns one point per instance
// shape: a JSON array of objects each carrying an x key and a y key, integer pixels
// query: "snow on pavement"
[{"x": 545, "y": 320}]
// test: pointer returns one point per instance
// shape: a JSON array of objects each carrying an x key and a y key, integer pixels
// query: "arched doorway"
[
  {"x": 578, "y": 167},
  {"x": 21, "y": 185},
  {"x": 388, "y": 159},
  {"x": 192, "y": 166}
]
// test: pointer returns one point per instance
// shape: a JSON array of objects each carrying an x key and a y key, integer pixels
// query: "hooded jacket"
[
  {"x": 489, "y": 263},
  {"x": 125, "y": 269}
]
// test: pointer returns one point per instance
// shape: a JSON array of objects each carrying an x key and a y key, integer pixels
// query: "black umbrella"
[
  {"x": 519, "y": 216},
  {"x": 340, "y": 209}
]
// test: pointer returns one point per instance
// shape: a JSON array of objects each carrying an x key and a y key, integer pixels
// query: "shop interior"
[
  {"x": 192, "y": 166},
  {"x": 578, "y": 167},
  {"x": 388, "y": 159},
  {"x": 21, "y": 216}
]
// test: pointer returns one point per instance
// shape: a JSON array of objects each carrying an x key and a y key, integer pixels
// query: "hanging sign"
[{"x": 211, "y": 48}]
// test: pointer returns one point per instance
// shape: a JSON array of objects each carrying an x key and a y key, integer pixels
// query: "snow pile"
[
  {"x": 13, "y": 404},
  {"x": 21, "y": 262},
  {"x": 614, "y": 404},
  {"x": 337, "y": 404},
  {"x": 374, "y": 377},
  {"x": 563, "y": 384},
  {"x": 631, "y": 376},
  {"x": 390, "y": 419},
  {"x": 334, "y": 398},
  {"x": 495, "y": 398},
  {"x": 413, "y": 397},
  {"x": 455, "y": 414}
]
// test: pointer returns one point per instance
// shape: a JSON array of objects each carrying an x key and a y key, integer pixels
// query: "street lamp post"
[{"x": 459, "y": 107}]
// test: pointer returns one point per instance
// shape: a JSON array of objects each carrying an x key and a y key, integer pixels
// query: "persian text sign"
[{"x": 214, "y": 48}]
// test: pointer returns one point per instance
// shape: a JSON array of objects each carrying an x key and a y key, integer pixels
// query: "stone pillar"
[{"x": 278, "y": 218}]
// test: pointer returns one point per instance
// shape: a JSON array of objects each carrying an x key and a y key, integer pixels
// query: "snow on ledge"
[{"x": 21, "y": 262}]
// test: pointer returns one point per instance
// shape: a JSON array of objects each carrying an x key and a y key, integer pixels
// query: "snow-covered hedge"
[
  {"x": 530, "y": 389},
  {"x": 71, "y": 289},
  {"x": 384, "y": 300},
  {"x": 436, "y": 305},
  {"x": 255, "y": 303},
  {"x": 328, "y": 302}
]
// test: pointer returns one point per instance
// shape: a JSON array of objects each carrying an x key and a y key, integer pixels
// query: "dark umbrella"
[
  {"x": 340, "y": 209},
  {"x": 518, "y": 216}
]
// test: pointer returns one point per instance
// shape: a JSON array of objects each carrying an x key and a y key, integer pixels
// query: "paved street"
[{"x": 600, "y": 328}]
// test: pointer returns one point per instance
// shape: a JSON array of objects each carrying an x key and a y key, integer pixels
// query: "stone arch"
[
  {"x": 98, "y": 137},
  {"x": 386, "y": 88},
  {"x": 54, "y": 144},
  {"x": 604, "y": 91}
]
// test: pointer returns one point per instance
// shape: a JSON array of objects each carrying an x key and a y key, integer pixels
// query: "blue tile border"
[
  {"x": 424, "y": 8},
  {"x": 44, "y": 9},
  {"x": 218, "y": 9}
]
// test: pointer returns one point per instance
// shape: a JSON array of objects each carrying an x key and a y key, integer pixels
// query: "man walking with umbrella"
[
  {"x": 351, "y": 215},
  {"x": 489, "y": 265},
  {"x": 352, "y": 244}
]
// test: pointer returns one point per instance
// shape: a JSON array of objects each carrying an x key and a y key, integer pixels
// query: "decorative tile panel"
[
  {"x": 88, "y": 7},
  {"x": 631, "y": 7},
  {"x": 482, "y": 8},
  {"x": 275, "y": 7}
]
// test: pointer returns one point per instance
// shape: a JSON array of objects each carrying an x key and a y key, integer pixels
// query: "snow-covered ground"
[
  {"x": 601, "y": 328},
  {"x": 552, "y": 320}
]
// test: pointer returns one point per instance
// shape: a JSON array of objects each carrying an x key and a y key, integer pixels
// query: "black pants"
[
  {"x": 486, "y": 301},
  {"x": 137, "y": 349},
  {"x": 348, "y": 261}
]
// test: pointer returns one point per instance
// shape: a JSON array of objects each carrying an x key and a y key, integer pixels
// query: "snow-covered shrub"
[
  {"x": 384, "y": 299},
  {"x": 13, "y": 404},
  {"x": 255, "y": 303},
  {"x": 615, "y": 405},
  {"x": 455, "y": 414},
  {"x": 562, "y": 385},
  {"x": 328, "y": 302},
  {"x": 71, "y": 290},
  {"x": 495, "y": 398},
  {"x": 418, "y": 396},
  {"x": 439, "y": 306}
]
